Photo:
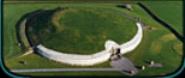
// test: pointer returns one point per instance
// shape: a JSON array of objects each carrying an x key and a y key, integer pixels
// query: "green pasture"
[{"x": 169, "y": 11}]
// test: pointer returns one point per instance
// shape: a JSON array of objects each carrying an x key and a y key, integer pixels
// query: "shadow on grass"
[{"x": 18, "y": 27}]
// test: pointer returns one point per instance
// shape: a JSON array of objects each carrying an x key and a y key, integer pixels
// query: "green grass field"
[
  {"x": 158, "y": 44},
  {"x": 169, "y": 11}
]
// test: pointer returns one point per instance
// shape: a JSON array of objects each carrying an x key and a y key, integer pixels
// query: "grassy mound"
[{"x": 81, "y": 30}]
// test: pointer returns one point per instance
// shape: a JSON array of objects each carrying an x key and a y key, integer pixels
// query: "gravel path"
[
  {"x": 124, "y": 65},
  {"x": 65, "y": 70}
]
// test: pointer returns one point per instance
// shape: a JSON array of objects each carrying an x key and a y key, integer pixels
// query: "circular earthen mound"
[{"x": 82, "y": 30}]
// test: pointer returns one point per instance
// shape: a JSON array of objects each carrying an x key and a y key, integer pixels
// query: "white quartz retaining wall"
[{"x": 99, "y": 57}]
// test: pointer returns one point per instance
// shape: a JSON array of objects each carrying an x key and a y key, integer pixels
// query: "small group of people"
[
  {"x": 151, "y": 64},
  {"x": 143, "y": 67},
  {"x": 156, "y": 65}
]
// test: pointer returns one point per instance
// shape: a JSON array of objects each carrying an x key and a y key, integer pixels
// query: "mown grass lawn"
[
  {"x": 170, "y": 11},
  {"x": 158, "y": 44}
]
